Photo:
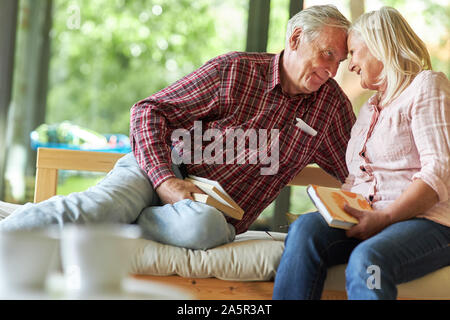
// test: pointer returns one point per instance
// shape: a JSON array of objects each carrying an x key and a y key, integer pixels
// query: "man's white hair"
[{"x": 313, "y": 19}]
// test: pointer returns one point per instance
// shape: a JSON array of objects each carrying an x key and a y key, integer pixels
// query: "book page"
[
  {"x": 226, "y": 209},
  {"x": 210, "y": 182},
  {"x": 209, "y": 190}
]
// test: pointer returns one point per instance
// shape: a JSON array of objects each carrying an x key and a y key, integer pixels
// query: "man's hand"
[
  {"x": 370, "y": 222},
  {"x": 173, "y": 190}
]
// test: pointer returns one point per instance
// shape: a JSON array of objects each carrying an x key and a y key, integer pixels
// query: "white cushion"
[{"x": 254, "y": 255}]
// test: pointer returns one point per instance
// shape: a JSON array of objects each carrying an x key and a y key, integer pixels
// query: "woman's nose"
[{"x": 351, "y": 65}]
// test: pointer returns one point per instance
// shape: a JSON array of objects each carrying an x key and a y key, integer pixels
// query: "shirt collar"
[
  {"x": 373, "y": 102},
  {"x": 274, "y": 72}
]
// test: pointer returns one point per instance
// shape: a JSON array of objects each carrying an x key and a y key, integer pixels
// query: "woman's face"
[{"x": 363, "y": 63}]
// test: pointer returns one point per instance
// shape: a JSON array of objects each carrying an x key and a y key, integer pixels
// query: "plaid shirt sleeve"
[
  {"x": 331, "y": 154},
  {"x": 176, "y": 107}
]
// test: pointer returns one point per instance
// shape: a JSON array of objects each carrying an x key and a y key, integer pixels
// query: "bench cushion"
[{"x": 254, "y": 255}]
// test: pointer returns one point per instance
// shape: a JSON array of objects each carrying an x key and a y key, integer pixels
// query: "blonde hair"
[
  {"x": 314, "y": 18},
  {"x": 391, "y": 40}
]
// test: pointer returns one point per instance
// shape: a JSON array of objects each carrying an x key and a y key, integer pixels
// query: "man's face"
[{"x": 310, "y": 63}]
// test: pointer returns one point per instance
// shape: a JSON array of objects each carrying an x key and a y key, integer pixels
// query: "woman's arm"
[
  {"x": 415, "y": 200},
  {"x": 430, "y": 127}
]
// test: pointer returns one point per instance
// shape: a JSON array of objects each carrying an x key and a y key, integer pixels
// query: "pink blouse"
[{"x": 406, "y": 140}]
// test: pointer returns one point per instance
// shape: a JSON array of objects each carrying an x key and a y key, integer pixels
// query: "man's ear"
[{"x": 294, "y": 40}]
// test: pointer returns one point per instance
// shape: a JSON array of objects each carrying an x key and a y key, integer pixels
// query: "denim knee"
[
  {"x": 210, "y": 230},
  {"x": 306, "y": 230},
  {"x": 187, "y": 224},
  {"x": 368, "y": 275},
  {"x": 362, "y": 258}
]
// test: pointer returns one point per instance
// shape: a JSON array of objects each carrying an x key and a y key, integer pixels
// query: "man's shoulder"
[{"x": 238, "y": 57}]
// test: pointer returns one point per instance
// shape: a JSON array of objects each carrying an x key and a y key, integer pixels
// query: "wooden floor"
[{"x": 215, "y": 289}]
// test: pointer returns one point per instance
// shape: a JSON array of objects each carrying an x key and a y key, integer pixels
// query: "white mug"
[
  {"x": 96, "y": 258},
  {"x": 25, "y": 258}
]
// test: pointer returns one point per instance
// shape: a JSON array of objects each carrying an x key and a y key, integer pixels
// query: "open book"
[
  {"x": 330, "y": 203},
  {"x": 215, "y": 196}
]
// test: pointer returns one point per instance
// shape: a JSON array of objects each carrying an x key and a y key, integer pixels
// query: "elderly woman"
[{"x": 398, "y": 158}]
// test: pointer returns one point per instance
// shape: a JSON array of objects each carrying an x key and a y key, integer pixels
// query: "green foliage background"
[
  {"x": 124, "y": 51},
  {"x": 436, "y": 15}
]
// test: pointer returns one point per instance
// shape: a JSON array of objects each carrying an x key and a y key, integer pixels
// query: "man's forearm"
[{"x": 151, "y": 153}]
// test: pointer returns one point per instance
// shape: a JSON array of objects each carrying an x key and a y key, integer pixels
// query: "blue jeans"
[
  {"x": 126, "y": 195},
  {"x": 400, "y": 253}
]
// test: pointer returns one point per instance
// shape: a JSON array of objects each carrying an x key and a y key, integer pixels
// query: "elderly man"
[{"x": 253, "y": 96}]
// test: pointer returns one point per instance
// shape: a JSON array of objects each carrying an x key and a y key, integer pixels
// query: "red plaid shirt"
[{"x": 243, "y": 91}]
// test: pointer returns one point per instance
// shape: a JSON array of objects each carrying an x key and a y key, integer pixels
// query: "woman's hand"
[
  {"x": 415, "y": 200},
  {"x": 370, "y": 222}
]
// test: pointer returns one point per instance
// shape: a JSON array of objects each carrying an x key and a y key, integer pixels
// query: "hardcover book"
[
  {"x": 215, "y": 196},
  {"x": 330, "y": 203}
]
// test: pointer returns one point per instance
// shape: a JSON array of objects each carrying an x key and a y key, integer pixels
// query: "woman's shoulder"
[
  {"x": 426, "y": 85},
  {"x": 430, "y": 78},
  {"x": 429, "y": 90}
]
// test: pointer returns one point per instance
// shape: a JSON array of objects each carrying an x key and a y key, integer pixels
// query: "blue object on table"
[
  {"x": 123, "y": 145},
  {"x": 72, "y": 137}
]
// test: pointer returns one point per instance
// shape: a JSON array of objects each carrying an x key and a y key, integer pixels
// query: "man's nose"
[{"x": 332, "y": 69}]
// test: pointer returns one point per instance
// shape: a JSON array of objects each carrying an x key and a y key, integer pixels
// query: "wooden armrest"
[
  {"x": 315, "y": 175},
  {"x": 76, "y": 160},
  {"x": 49, "y": 161}
]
